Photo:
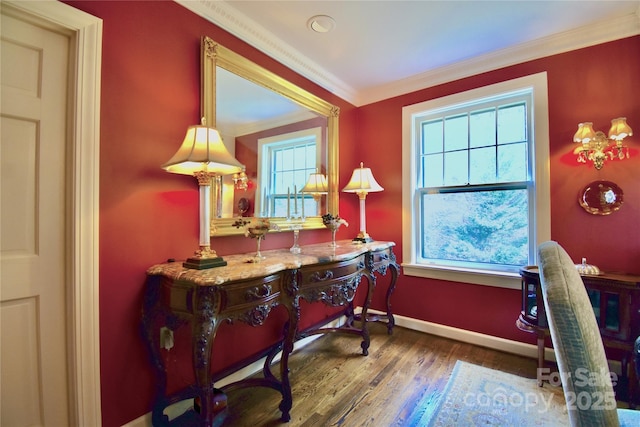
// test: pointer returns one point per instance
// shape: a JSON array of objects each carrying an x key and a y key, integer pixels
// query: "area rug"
[{"x": 479, "y": 396}]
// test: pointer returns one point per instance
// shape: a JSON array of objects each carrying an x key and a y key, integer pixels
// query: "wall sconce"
[
  {"x": 240, "y": 180},
  {"x": 316, "y": 185},
  {"x": 203, "y": 155},
  {"x": 597, "y": 147},
  {"x": 361, "y": 183}
]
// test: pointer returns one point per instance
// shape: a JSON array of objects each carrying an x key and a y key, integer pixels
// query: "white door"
[{"x": 33, "y": 251}]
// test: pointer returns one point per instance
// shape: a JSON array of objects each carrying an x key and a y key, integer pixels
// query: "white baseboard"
[
  {"x": 482, "y": 340},
  {"x": 470, "y": 337}
]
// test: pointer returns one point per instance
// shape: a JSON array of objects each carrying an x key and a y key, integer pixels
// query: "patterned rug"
[{"x": 479, "y": 396}]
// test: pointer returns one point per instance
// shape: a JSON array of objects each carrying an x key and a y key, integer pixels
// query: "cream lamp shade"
[
  {"x": 203, "y": 155},
  {"x": 202, "y": 151},
  {"x": 585, "y": 133},
  {"x": 362, "y": 182},
  {"x": 620, "y": 129},
  {"x": 316, "y": 185}
]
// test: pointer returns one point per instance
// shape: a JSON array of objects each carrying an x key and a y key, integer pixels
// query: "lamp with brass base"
[
  {"x": 203, "y": 155},
  {"x": 361, "y": 183}
]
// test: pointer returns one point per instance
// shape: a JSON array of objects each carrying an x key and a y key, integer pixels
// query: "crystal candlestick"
[{"x": 295, "y": 249}]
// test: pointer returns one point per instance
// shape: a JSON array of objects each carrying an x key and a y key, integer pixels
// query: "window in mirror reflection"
[{"x": 284, "y": 165}]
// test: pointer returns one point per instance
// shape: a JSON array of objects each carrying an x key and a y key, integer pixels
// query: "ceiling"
[{"x": 380, "y": 49}]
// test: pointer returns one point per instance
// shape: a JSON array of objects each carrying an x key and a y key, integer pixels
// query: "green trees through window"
[{"x": 483, "y": 227}]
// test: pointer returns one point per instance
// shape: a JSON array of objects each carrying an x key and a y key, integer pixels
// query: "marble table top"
[{"x": 243, "y": 266}]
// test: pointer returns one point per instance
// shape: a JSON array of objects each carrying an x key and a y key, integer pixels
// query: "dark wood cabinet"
[{"x": 616, "y": 304}]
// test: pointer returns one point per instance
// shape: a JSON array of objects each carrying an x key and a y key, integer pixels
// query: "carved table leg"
[
  {"x": 292, "y": 305},
  {"x": 287, "y": 349},
  {"x": 203, "y": 330},
  {"x": 391, "y": 321},
  {"x": 379, "y": 264},
  {"x": 366, "y": 338}
]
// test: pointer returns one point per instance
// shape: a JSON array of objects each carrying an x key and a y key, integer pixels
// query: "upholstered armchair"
[{"x": 578, "y": 347}]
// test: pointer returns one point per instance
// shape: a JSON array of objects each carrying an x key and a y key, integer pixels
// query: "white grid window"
[
  {"x": 285, "y": 163},
  {"x": 477, "y": 202}
]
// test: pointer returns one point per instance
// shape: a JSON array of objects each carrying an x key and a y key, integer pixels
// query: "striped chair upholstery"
[{"x": 582, "y": 362}]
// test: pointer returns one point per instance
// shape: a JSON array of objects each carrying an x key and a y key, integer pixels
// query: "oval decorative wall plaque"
[{"x": 601, "y": 197}]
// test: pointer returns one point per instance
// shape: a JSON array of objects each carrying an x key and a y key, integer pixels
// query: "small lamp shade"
[
  {"x": 317, "y": 184},
  {"x": 362, "y": 181},
  {"x": 202, "y": 151},
  {"x": 585, "y": 133},
  {"x": 620, "y": 129}
]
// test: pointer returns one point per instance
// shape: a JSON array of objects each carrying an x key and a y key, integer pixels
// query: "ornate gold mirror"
[{"x": 227, "y": 80}]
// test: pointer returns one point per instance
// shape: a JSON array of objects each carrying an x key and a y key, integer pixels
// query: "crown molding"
[
  {"x": 236, "y": 23},
  {"x": 602, "y": 32},
  {"x": 251, "y": 32}
]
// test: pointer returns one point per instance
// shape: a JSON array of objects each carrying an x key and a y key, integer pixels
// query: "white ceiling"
[{"x": 385, "y": 48}]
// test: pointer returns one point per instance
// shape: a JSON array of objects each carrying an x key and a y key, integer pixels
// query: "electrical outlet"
[{"x": 166, "y": 338}]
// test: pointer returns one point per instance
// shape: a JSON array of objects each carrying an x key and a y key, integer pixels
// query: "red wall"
[
  {"x": 150, "y": 95},
  {"x": 590, "y": 84}
]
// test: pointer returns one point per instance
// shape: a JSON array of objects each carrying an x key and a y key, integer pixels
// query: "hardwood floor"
[{"x": 334, "y": 385}]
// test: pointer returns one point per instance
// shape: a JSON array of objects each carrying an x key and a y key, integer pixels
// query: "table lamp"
[
  {"x": 361, "y": 183},
  {"x": 316, "y": 185},
  {"x": 203, "y": 155}
]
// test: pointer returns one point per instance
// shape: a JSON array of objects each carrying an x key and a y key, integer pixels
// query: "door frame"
[{"x": 83, "y": 193}]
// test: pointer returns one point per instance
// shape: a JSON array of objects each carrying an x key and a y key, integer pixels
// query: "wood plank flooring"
[{"x": 334, "y": 385}]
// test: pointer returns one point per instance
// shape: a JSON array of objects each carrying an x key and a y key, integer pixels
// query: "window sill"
[{"x": 476, "y": 277}]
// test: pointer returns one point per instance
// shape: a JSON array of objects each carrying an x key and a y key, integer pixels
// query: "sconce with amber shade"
[
  {"x": 362, "y": 182},
  {"x": 203, "y": 155},
  {"x": 241, "y": 180},
  {"x": 596, "y": 147}
]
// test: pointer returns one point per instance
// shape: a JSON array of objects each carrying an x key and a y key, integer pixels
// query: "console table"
[
  {"x": 616, "y": 303},
  {"x": 246, "y": 291}
]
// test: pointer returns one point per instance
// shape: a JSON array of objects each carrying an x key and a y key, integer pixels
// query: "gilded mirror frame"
[{"x": 215, "y": 55}]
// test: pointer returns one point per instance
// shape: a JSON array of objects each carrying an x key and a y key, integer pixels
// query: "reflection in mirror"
[
  {"x": 280, "y": 143},
  {"x": 285, "y": 162},
  {"x": 281, "y": 133}
]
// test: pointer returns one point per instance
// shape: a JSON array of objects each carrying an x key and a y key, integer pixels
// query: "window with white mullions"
[
  {"x": 285, "y": 163},
  {"x": 482, "y": 146},
  {"x": 292, "y": 165},
  {"x": 476, "y": 199}
]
